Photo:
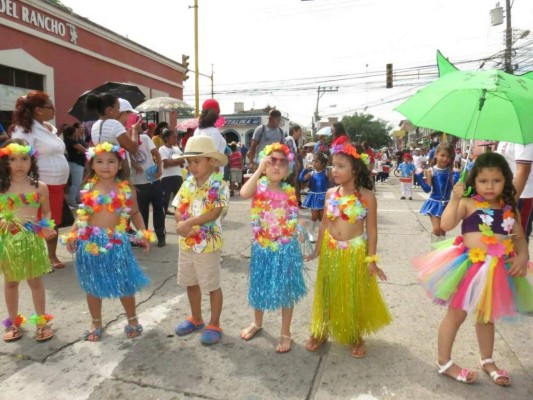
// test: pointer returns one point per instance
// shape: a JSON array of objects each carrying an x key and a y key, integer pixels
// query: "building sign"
[
  {"x": 234, "y": 121},
  {"x": 32, "y": 17}
]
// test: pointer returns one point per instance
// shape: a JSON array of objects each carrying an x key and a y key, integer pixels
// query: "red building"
[{"x": 46, "y": 47}]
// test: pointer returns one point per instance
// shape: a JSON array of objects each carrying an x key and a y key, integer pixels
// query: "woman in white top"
[
  {"x": 109, "y": 128},
  {"x": 30, "y": 123},
  {"x": 172, "y": 178}
]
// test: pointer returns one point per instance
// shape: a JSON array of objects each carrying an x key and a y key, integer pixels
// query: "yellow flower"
[
  {"x": 508, "y": 243},
  {"x": 476, "y": 255}
]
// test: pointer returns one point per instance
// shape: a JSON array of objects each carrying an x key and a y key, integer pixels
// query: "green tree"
[{"x": 364, "y": 127}]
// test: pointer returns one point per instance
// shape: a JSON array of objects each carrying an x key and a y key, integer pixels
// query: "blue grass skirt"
[
  {"x": 23, "y": 256},
  {"x": 276, "y": 277},
  {"x": 112, "y": 274},
  {"x": 433, "y": 207},
  {"x": 314, "y": 201}
]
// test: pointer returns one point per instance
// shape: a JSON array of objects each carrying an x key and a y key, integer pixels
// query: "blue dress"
[
  {"x": 318, "y": 186},
  {"x": 442, "y": 183}
]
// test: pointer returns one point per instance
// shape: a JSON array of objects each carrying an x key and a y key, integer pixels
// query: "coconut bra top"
[
  {"x": 350, "y": 207},
  {"x": 117, "y": 202},
  {"x": 10, "y": 201},
  {"x": 473, "y": 221}
]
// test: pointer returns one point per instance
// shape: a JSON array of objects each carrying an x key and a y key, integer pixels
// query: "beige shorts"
[
  {"x": 236, "y": 175},
  {"x": 201, "y": 269}
]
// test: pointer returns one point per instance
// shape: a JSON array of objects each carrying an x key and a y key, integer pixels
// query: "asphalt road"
[{"x": 160, "y": 365}]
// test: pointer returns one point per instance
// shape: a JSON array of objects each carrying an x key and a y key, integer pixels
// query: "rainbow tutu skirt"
[{"x": 475, "y": 282}]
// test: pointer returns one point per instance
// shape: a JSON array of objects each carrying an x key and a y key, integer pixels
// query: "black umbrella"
[{"x": 123, "y": 90}]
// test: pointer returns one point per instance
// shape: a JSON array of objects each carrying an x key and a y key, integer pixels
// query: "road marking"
[
  {"x": 75, "y": 372},
  {"x": 387, "y": 195}
]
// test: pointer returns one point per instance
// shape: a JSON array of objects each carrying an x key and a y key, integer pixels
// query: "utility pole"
[
  {"x": 196, "y": 63},
  {"x": 212, "y": 84},
  {"x": 508, "y": 38},
  {"x": 319, "y": 93}
]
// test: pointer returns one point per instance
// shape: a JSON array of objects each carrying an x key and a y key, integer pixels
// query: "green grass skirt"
[{"x": 23, "y": 256}]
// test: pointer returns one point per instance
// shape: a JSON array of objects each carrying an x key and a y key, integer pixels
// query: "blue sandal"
[
  {"x": 211, "y": 335},
  {"x": 96, "y": 333},
  {"x": 187, "y": 327},
  {"x": 133, "y": 331}
]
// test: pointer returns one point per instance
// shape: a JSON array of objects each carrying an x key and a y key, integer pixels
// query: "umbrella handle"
[{"x": 462, "y": 179}]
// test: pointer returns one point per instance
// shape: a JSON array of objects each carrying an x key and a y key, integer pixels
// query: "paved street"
[{"x": 400, "y": 363}]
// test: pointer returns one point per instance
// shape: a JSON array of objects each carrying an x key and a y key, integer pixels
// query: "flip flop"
[{"x": 58, "y": 265}]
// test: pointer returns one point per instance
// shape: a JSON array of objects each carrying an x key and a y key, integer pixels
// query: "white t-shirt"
[
  {"x": 111, "y": 129},
  {"x": 53, "y": 166},
  {"x": 514, "y": 153},
  {"x": 166, "y": 154},
  {"x": 418, "y": 161},
  {"x": 144, "y": 159},
  {"x": 214, "y": 134}
]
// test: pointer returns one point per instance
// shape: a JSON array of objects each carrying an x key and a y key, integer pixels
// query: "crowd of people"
[{"x": 117, "y": 173}]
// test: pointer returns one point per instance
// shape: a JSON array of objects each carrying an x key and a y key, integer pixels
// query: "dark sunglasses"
[{"x": 281, "y": 160}]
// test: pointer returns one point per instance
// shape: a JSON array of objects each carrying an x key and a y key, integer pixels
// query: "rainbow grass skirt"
[
  {"x": 481, "y": 286},
  {"x": 348, "y": 303}
]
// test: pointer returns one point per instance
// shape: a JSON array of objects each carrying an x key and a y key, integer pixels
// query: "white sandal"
[
  {"x": 461, "y": 377},
  {"x": 248, "y": 331},
  {"x": 495, "y": 375}
]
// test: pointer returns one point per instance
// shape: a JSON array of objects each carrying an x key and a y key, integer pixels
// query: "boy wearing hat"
[
  {"x": 199, "y": 204},
  {"x": 407, "y": 169}
]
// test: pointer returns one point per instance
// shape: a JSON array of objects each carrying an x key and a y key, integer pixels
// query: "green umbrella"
[{"x": 482, "y": 105}]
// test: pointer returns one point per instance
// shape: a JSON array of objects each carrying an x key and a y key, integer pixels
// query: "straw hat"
[{"x": 202, "y": 146}]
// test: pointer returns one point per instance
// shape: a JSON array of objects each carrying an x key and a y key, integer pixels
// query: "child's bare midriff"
[
  {"x": 104, "y": 220},
  {"x": 339, "y": 230}
]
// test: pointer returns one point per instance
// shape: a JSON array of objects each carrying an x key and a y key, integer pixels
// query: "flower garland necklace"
[
  {"x": 11, "y": 201},
  {"x": 187, "y": 192},
  {"x": 273, "y": 225},
  {"x": 214, "y": 183},
  {"x": 349, "y": 207},
  {"x": 93, "y": 202},
  {"x": 494, "y": 247}
]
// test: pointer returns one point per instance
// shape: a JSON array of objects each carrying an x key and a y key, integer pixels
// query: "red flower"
[{"x": 458, "y": 240}]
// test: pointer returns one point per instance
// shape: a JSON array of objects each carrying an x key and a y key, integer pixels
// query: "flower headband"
[
  {"x": 105, "y": 147},
  {"x": 269, "y": 149},
  {"x": 348, "y": 149},
  {"x": 17, "y": 149}
]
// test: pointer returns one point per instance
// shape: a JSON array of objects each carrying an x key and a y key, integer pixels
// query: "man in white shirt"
[{"x": 520, "y": 157}]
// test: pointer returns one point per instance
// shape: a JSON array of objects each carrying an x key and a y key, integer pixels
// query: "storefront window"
[{"x": 19, "y": 78}]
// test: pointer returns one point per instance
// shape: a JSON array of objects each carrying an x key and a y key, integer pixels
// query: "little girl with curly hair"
[{"x": 23, "y": 255}]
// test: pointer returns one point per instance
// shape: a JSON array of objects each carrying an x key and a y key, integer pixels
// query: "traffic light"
[
  {"x": 388, "y": 76},
  {"x": 185, "y": 63}
]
